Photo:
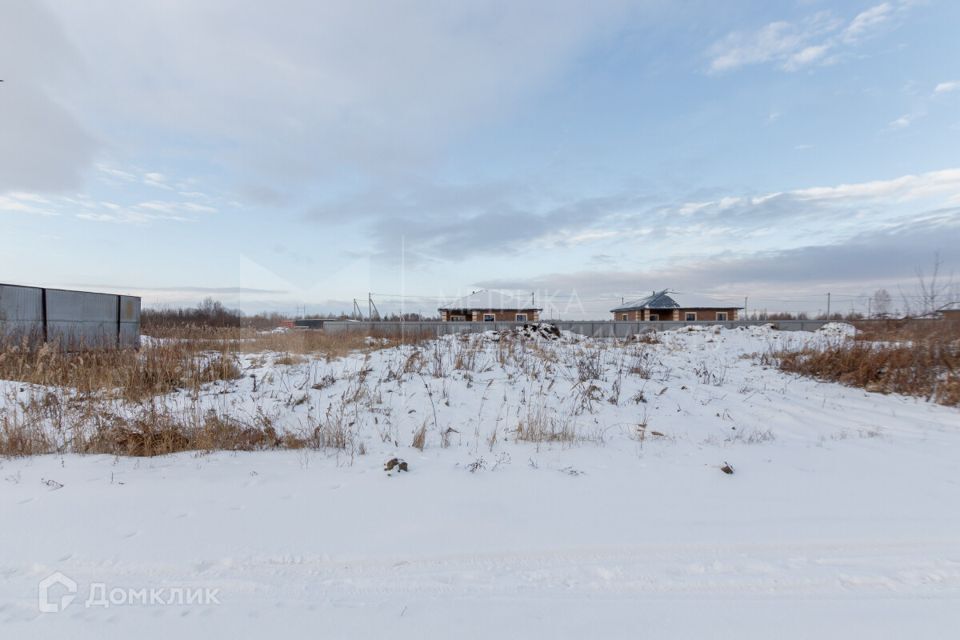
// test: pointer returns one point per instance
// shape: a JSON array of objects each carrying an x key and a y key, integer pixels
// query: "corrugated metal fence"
[
  {"x": 596, "y": 329},
  {"x": 73, "y": 319}
]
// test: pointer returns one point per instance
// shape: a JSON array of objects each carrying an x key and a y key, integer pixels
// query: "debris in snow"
[
  {"x": 477, "y": 465},
  {"x": 53, "y": 484},
  {"x": 324, "y": 382},
  {"x": 530, "y": 330},
  {"x": 395, "y": 463},
  {"x": 726, "y": 468}
]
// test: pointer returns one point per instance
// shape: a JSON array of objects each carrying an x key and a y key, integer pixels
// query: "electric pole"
[{"x": 828, "y": 306}]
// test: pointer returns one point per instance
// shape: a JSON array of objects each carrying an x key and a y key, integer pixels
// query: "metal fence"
[
  {"x": 596, "y": 329},
  {"x": 72, "y": 319}
]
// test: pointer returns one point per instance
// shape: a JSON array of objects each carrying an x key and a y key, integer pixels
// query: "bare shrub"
[
  {"x": 590, "y": 365},
  {"x": 289, "y": 359},
  {"x": 538, "y": 427},
  {"x": 159, "y": 432}
]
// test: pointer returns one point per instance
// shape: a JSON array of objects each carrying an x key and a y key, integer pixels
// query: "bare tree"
[
  {"x": 881, "y": 303},
  {"x": 934, "y": 290},
  {"x": 930, "y": 289}
]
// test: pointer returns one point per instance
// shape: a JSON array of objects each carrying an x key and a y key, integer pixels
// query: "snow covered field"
[{"x": 567, "y": 488}]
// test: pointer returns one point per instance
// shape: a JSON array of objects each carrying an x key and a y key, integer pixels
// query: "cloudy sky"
[{"x": 290, "y": 153}]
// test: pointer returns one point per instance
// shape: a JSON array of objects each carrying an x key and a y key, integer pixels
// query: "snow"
[
  {"x": 841, "y": 329},
  {"x": 839, "y": 520}
]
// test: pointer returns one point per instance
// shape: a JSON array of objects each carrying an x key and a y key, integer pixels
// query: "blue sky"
[{"x": 296, "y": 154}]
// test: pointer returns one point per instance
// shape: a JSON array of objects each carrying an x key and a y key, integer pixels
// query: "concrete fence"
[
  {"x": 596, "y": 329},
  {"x": 73, "y": 319}
]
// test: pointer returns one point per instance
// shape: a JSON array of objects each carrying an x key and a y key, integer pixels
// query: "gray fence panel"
[
  {"x": 79, "y": 319},
  {"x": 74, "y": 319},
  {"x": 597, "y": 328},
  {"x": 129, "y": 321},
  {"x": 21, "y": 312}
]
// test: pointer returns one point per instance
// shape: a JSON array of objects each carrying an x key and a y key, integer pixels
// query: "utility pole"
[
  {"x": 745, "y": 316},
  {"x": 828, "y": 306}
]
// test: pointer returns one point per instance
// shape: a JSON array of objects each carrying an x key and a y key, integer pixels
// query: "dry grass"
[
  {"x": 103, "y": 401},
  {"x": 127, "y": 374},
  {"x": 187, "y": 357},
  {"x": 538, "y": 426},
  {"x": 420, "y": 438},
  {"x": 918, "y": 359}
]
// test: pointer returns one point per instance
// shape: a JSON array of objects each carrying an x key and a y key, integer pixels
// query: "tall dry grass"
[
  {"x": 913, "y": 358},
  {"x": 102, "y": 401}
]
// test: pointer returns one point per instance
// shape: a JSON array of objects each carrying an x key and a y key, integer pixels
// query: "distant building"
[
  {"x": 951, "y": 312},
  {"x": 661, "y": 306},
  {"x": 490, "y": 306}
]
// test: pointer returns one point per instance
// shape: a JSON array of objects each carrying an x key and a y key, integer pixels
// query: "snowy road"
[{"x": 633, "y": 546}]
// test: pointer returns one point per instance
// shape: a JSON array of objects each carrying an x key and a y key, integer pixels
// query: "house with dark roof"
[
  {"x": 661, "y": 305},
  {"x": 490, "y": 306}
]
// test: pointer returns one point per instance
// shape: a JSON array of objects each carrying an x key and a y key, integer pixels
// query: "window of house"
[
  {"x": 521, "y": 317},
  {"x": 457, "y": 318},
  {"x": 489, "y": 317},
  {"x": 722, "y": 316},
  {"x": 654, "y": 317},
  {"x": 690, "y": 316},
  {"x": 623, "y": 317}
]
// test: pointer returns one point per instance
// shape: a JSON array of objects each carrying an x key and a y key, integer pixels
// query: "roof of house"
[
  {"x": 953, "y": 306},
  {"x": 656, "y": 300},
  {"x": 663, "y": 300},
  {"x": 491, "y": 300}
]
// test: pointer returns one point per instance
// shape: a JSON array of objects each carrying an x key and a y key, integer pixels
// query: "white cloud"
[
  {"x": 154, "y": 179},
  {"x": 807, "y": 55},
  {"x": 85, "y": 207},
  {"x": 867, "y": 21},
  {"x": 902, "y": 122},
  {"x": 947, "y": 87},
  {"x": 904, "y": 188},
  {"x": 817, "y": 39},
  {"x": 308, "y": 89},
  {"x": 23, "y": 203},
  {"x": 113, "y": 172},
  {"x": 775, "y": 41}
]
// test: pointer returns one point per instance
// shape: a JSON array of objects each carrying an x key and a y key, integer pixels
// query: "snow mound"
[
  {"x": 147, "y": 342},
  {"x": 838, "y": 329},
  {"x": 760, "y": 329}
]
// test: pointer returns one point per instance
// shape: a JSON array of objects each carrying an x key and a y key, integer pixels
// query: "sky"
[{"x": 295, "y": 155}]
